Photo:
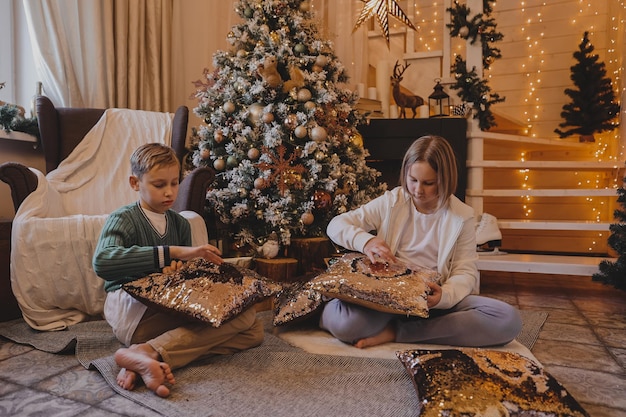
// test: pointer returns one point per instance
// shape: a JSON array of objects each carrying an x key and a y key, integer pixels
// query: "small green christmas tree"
[
  {"x": 593, "y": 108},
  {"x": 614, "y": 273},
  {"x": 280, "y": 128}
]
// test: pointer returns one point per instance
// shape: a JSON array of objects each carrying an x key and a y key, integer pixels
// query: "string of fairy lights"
[{"x": 536, "y": 65}]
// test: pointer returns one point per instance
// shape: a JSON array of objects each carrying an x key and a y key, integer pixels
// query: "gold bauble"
[
  {"x": 357, "y": 139},
  {"x": 253, "y": 154},
  {"x": 319, "y": 134},
  {"x": 300, "y": 132},
  {"x": 304, "y": 95},
  {"x": 307, "y": 218}
]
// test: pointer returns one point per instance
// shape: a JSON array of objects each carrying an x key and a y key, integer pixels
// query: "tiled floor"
[{"x": 583, "y": 344}]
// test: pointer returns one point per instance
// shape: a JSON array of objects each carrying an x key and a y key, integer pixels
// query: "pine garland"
[{"x": 473, "y": 89}]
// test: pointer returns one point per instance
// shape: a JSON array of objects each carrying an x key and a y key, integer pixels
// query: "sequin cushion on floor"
[
  {"x": 296, "y": 301},
  {"x": 203, "y": 290},
  {"x": 384, "y": 287},
  {"x": 478, "y": 382}
]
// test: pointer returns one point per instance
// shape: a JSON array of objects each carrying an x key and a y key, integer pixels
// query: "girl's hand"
[
  {"x": 377, "y": 250},
  {"x": 435, "y": 294}
]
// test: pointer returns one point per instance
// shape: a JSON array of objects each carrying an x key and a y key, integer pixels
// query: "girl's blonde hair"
[
  {"x": 152, "y": 155},
  {"x": 440, "y": 156}
]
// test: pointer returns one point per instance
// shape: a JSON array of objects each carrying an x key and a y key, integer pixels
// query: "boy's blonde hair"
[
  {"x": 152, "y": 155},
  {"x": 440, "y": 156}
]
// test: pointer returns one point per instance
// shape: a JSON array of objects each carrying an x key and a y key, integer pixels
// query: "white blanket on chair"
[{"x": 56, "y": 228}]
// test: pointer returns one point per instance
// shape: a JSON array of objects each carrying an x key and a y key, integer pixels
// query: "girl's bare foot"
[
  {"x": 388, "y": 334},
  {"x": 127, "y": 379},
  {"x": 144, "y": 361}
]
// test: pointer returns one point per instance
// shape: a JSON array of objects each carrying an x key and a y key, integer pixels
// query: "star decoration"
[
  {"x": 382, "y": 9},
  {"x": 283, "y": 173}
]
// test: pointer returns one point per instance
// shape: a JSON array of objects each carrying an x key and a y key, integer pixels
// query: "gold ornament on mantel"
[{"x": 382, "y": 9}]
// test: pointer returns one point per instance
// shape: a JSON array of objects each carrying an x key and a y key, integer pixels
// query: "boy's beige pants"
[{"x": 180, "y": 341}]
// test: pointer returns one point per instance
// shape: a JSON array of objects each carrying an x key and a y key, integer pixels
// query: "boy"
[{"x": 147, "y": 237}]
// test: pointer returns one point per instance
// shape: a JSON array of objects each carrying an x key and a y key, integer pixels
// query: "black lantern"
[{"x": 439, "y": 102}]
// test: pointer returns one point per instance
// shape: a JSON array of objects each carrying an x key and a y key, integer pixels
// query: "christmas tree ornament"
[
  {"x": 299, "y": 48},
  {"x": 381, "y": 9},
  {"x": 229, "y": 107},
  {"x": 319, "y": 134},
  {"x": 321, "y": 60},
  {"x": 356, "y": 139},
  {"x": 205, "y": 153},
  {"x": 268, "y": 70},
  {"x": 309, "y": 105},
  {"x": 260, "y": 183},
  {"x": 322, "y": 200},
  {"x": 267, "y": 117},
  {"x": 307, "y": 218},
  {"x": 300, "y": 132},
  {"x": 232, "y": 161},
  {"x": 254, "y": 153},
  {"x": 256, "y": 111},
  {"x": 291, "y": 121},
  {"x": 219, "y": 164},
  {"x": 304, "y": 95},
  {"x": 218, "y": 136}
]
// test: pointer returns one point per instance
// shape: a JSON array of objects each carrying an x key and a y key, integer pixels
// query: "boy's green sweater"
[{"x": 128, "y": 245}]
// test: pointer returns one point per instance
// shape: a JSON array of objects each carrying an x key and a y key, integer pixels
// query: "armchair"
[
  {"x": 59, "y": 215},
  {"x": 62, "y": 128}
]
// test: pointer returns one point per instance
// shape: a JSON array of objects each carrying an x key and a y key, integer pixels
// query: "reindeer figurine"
[{"x": 402, "y": 99}]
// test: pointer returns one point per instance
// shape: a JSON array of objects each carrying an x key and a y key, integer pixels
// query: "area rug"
[
  {"x": 308, "y": 337},
  {"x": 275, "y": 379}
]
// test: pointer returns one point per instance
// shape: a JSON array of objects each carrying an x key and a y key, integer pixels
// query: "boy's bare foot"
[
  {"x": 388, "y": 334},
  {"x": 126, "y": 379},
  {"x": 144, "y": 361}
]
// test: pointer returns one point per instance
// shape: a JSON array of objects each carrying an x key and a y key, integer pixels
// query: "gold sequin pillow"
[
  {"x": 295, "y": 302},
  {"x": 480, "y": 382},
  {"x": 383, "y": 287},
  {"x": 203, "y": 290}
]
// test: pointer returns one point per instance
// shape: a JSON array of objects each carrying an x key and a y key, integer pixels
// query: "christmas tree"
[
  {"x": 593, "y": 108},
  {"x": 614, "y": 273},
  {"x": 280, "y": 128}
]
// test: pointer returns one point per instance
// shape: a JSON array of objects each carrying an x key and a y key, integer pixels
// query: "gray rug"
[{"x": 274, "y": 379}]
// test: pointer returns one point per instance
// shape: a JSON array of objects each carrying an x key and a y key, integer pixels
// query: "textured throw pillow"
[
  {"x": 203, "y": 290},
  {"x": 296, "y": 301},
  {"x": 479, "y": 382},
  {"x": 384, "y": 287}
]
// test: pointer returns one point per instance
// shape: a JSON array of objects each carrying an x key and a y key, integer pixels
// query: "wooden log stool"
[{"x": 276, "y": 269}]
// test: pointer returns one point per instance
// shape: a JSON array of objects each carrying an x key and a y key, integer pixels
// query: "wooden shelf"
[
  {"x": 540, "y": 264},
  {"x": 556, "y": 192},
  {"x": 554, "y": 165},
  {"x": 21, "y": 136},
  {"x": 553, "y": 225}
]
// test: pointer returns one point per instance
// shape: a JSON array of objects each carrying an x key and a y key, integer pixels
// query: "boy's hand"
[
  {"x": 208, "y": 252},
  {"x": 175, "y": 266}
]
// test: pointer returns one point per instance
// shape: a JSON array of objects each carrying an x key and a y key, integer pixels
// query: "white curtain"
[
  {"x": 70, "y": 49},
  {"x": 103, "y": 53},
  {"x": 145, "y": 54}
]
